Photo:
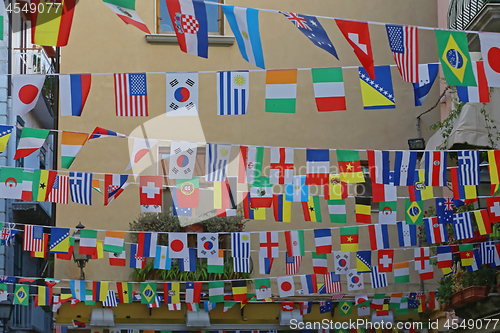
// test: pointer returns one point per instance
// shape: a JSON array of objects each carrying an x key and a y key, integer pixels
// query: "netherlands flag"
[
  {"x": 190, "y": 20},
  {"x": 73, "y": 91}
]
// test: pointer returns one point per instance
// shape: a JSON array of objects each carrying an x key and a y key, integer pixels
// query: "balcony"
[
  {"x": 30, "y": 318},
  {"x": 474, "y": 15}
]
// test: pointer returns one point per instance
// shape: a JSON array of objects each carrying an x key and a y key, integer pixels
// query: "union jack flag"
[
  {"x": 296, "y": 19},
  {"x": 293, "y": 265}
]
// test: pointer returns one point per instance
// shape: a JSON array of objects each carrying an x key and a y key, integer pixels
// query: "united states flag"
[
  {"x": 404, "y": 46},
  {"x": 33, "y": 238},
  {"x": 332, "y": 283},
  {"x": 293, "y": 265},
  {"x": 131, "y": 95},
  {"x": 80, "y": 185},
  {"x": 59, "y": 192}
]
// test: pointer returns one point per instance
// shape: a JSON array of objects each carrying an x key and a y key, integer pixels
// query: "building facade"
[{"x": 108, "y": 46}]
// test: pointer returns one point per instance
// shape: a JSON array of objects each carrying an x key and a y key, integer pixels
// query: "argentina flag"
[{"x": 232, "y": 93}]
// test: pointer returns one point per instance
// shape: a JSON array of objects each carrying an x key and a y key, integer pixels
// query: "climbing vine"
[{"x": 446, "y": 126}]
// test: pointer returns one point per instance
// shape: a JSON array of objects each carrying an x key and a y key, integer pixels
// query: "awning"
[{"x": 470, "y": 127}]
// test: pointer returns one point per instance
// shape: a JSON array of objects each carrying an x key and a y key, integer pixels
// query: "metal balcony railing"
[
  {"x": 462, "y": 12},
  {"x": 30, "y": 318},
  {"x": 32, "y": 61}
]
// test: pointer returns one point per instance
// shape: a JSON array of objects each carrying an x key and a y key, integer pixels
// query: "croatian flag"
[
  {"x": 190, "y": 21},
  {"x": 73, "y": 91}
]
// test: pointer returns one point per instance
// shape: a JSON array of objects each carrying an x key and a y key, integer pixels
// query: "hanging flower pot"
[
  {"x": 474, "y": 294},
  {"x": 456, "y": 299}
]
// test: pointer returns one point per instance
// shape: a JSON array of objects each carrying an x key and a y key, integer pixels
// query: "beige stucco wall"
[{"x": 101, "y": 43}]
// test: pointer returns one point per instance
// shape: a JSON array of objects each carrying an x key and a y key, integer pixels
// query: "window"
[
  {"x": 214, "y": 15},
  {"x": 20, "y": 125}
]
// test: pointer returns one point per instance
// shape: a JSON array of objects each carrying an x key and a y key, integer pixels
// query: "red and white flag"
[
  {"x": 177, "y": 245},
  {"x": 131, "y": 95},
  {"x": 490, "y": 50},
  {"x": 281, "y": 168},
  {"x": 286, "y": 286},
  {"x": 117, "y": 259},
  {"x": 25, "y": 92},
  {"x": 385, "y": 260},
  {"x": 141, "y": 148},
  {"x": 358, "y": 36},
  {"x": 151, "y": 193},
  {"x": 59, "y": 192},
  {"x": 269, "y": 246},
  {"x": 480, "y": 93},
  {"x": 435, "y": 168},
  {"x": 403, "y": 41},
  {"x": 114, "y": 185}
]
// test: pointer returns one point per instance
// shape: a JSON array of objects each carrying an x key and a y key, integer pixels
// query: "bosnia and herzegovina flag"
[
  {"x": 377, "y": 94},
  {"x": 455, "y": 58},
  {"x": 51, "y": 27}
]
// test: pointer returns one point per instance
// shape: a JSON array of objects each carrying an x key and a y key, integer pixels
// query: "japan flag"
[
  {"x": 25, "y": 92},
  {"x": 140, "y": 149},
  {"x": 490, "y": 50},
  {"x": 177, "y": 245}
]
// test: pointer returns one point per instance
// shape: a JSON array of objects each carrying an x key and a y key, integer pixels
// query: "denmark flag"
[
  {"x": 151, "y": 193},
  {"x": 26, "y": 90}
]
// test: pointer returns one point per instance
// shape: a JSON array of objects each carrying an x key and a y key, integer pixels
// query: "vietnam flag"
[
  {"x": 52, "y": 25},
  {"x": 467, "y": 254},
  {"x": 350, "y": 166},
  {"x": 349, "y": 239}
]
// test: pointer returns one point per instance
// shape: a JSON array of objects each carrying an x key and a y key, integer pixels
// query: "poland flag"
[
  {"x": 490, "y": 50},
  {"x": 25, "y": 92}
]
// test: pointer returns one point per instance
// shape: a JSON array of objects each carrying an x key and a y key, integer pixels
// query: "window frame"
[{"x": 220, "y": 20}]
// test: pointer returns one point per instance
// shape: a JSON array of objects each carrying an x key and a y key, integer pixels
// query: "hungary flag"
[
  {"x": 15, "y": 184},
  {"x": 125, "y": 9}
]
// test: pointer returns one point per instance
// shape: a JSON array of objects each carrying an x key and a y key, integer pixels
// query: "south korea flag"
[{"x": 182, "y": 94}]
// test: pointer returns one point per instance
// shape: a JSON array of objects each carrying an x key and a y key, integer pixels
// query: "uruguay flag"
[
  {"x": 427, "y": 74},
  {"x": 73, "y": 91},
  {"x": 244, "y": 23},
  {"x": 190, "y": 21}
]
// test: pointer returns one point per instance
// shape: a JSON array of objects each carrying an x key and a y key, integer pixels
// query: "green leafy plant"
[{"x": 445, "y": 289}]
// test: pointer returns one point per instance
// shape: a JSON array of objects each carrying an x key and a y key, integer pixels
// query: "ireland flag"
[{"x": 15, "y": 184}]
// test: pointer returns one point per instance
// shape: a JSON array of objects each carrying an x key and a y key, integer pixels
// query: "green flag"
[
  {"x": 336, "y": 209},
  {"x": 263, "y": 288},
  {"x": 345, "y": 308},
  {"x": 15, "y": 183},
  {"x": 216, "y": 291},
  {"x": 21, "y": 294},
  {"x": 414, "y": 212},
  {"x": 455, "y": 60},
  {"x": 148, "y": 292},
  {"x": 89, "y": 297}
]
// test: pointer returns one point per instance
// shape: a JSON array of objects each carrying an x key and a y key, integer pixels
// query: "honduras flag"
[
  {"x": 245, "y": 25},
  {"x": 73, "y": 91},
  {"x": 427, "y": 74}
]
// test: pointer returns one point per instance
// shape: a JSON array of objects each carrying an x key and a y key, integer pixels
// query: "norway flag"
[
  {"x": 189, "y": 19},
  {"x": 73, "y": 91}
]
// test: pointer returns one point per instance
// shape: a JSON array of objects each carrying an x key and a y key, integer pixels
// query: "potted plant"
[
  {"x": 477, "y": 284},
  {"x": 445, "y": 291}
]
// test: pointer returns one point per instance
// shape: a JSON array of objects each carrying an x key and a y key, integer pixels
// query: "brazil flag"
[
  {"x": 21, "y": 294},
  {"x": 455, "y": 59},
  {"x": 148, "y": 293},
  {"x": 414, "y": 212}
]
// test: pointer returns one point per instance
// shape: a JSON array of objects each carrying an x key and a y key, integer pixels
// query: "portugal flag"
[{"x": 350, "y": 166}]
